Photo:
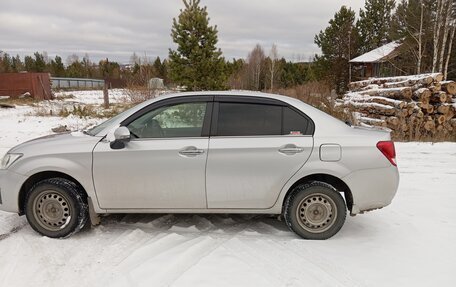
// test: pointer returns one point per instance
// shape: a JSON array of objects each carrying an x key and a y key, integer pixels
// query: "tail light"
[{"x": 388, "y": 150}]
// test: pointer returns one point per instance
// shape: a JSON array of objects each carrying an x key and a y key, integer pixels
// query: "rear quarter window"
[{"x": 294, "y": 123}]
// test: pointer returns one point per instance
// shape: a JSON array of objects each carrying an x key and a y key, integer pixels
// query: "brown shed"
[{"x": 16, "y": 84}]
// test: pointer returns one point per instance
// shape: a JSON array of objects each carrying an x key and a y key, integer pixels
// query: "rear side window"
[
  {"x": 245, "y": 119},
  {"x": 294, "y": 123}
]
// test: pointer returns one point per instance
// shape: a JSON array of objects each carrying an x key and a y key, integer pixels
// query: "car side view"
[{"x": 204, "y": 152}]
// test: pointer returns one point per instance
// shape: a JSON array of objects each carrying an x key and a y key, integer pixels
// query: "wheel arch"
[
  {"x": 332, "y": 180},
  {"x": 39, "y": 176}
]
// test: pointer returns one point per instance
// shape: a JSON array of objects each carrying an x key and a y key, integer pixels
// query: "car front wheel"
[
  {"x": 56, "y": 208},
  {"x": 315, "y": 210}
]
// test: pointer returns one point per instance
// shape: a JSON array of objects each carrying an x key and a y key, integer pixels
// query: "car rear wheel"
[
  {"x": 315, "y": 210},
  {"x": 56, "y": 208}
]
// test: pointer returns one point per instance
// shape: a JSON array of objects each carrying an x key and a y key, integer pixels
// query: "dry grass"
[
  {"x": 81, "y": 110},
  {"x": 319, "y": 95},
  {"x": 94, "y": 111},
  {"x": 27, "y": 101},
  {"x": 138, "y": 94}
]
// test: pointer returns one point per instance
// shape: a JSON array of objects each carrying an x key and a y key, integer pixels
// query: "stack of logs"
[{"x": 410, "y": 106}]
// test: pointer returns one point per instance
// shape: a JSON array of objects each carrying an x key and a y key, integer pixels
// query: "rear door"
[{"x": 256, "y": 146}]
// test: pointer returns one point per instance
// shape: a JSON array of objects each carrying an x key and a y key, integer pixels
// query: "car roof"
[{"x": 240, "y": 93}]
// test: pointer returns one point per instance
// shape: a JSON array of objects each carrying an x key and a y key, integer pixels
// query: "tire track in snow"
[
  {"x": 11, "y": 232},
  {"x": 172, "y": 253},
  {"x": 160, "y": 262}
]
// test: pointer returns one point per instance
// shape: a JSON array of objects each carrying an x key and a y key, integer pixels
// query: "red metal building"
[{"x": 16, "y": 84}]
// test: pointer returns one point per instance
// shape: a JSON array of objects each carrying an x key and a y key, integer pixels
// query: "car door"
[
  {"x": 163, "y": 165},
  {"x": 256, "y": 146}
]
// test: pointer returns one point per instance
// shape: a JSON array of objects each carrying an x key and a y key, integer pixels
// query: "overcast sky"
[{"x": 117, "y": 28}]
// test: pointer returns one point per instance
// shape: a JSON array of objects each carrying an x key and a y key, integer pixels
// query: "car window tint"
[
  {"x": 244, "y": 119},
  {"x": 181, "y": 120},
  {"x": 294, "y": 123}
]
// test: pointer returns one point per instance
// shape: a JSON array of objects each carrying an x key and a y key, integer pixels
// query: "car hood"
[{"x": 57, "y": 143}]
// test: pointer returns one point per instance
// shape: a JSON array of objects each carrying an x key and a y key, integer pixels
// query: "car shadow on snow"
[
  {"x": 229, "y": 224},
  {"x": 216, "y": 224}
]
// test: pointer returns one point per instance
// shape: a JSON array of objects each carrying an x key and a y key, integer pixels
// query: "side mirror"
[{"x": 121, "y": 136}]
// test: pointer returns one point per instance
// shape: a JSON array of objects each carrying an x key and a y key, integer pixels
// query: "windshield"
[{"x": 96, "y": 129}]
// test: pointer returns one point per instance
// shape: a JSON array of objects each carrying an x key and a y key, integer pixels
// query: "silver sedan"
[{"x": 204, "y": 152}]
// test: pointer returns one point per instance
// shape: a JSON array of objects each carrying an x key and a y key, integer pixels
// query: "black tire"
[
  {"x": 315, "y": 210},
  {"x": 56, "y": 207}
]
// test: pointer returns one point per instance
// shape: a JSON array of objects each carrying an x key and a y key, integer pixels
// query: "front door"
[{"x": 163, "y": 166}]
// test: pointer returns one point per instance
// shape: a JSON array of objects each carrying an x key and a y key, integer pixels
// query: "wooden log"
[
  {"x": 441, "y": 119},
  {"x": 435, "y": 87},
  {"x": 394, "y": 82},
  {"x": 429, "y": 125},
  {"x": 449, "y": 87},
  {"x": 443, "y": 108},
  {"x": 453, "y": 123},
  {"x": 372, "y": 108},
  {"x": 450, "y": 114},
  {"x": 404, "y": 127},
  {"x": 372, "y": 121},
  {"x": 422, "y": 95},
  {"x": 438, "y": 77},
  {"x": 447, "y": 125},
  {"x": 409, "y": 83},
  {"x": 440, "y": 97},
  {"x": 419, "y": 114},
  {"x": 380, "y": 100},
  {"x": 422, "y": 105},
  {"x": 392, "y": 93},
  {"x": 393, "y": 121}
]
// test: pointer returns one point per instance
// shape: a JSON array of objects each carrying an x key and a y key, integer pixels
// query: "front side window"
[
  {"x": 245, "y": 119},
  {"x": 180, "y": 120}
]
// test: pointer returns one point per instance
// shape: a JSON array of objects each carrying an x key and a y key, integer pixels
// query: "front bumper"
[
  {"x": 372, "y": 188},
  {"x": 10, "y": 185}
]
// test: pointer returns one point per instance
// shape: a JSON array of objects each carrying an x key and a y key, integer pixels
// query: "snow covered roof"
[{"x": 380, "y": 54}]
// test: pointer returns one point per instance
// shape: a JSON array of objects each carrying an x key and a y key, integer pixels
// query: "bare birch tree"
[
  {"x": 255, "y": 61},
  {"x": 420, "y": 40},
  {"x": 437, "y": 27},
  {"x": 446, "y": 30},
  {"x": 273, "y": 65},
  {"x": 450, "y": 46}
]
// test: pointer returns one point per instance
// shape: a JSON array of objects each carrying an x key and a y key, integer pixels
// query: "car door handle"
[
  {"x": 191, "y": 151},
  {"x": 291, "y": 149}
]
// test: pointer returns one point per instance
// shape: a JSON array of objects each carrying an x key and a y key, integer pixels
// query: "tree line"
[
  {"x": 261, "y": 70},
  {"x": 75, "y": 67},
  {"x": 424, "y": 28}
]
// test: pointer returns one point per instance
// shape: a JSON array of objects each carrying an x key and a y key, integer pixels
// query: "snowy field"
[{"x": 409, "y": 243}]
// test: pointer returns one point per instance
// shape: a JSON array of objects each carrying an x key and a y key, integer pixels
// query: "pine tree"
[
  {"x": 338, "y": 43},
  {"x": 40, "y": 63},
  {"x": 57, "y": 67},
  {"x": 196, "y": 64},
  {"x": 6, "y": 63},
  {"x": 29, "y": 63},
  {"x": 374, "y": 24},
  {"x": 17, "y": 65}
]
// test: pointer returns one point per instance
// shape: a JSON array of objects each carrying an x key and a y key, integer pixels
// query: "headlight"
[{"x": 9, "y": 159}]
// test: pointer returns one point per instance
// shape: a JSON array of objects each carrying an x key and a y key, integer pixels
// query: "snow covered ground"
[{"x": 410, "y": 243}]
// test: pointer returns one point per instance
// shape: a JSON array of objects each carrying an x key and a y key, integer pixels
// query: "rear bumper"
[
  {"x": 372, "y": 188},
  {"x": 10, "y": 185}
]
